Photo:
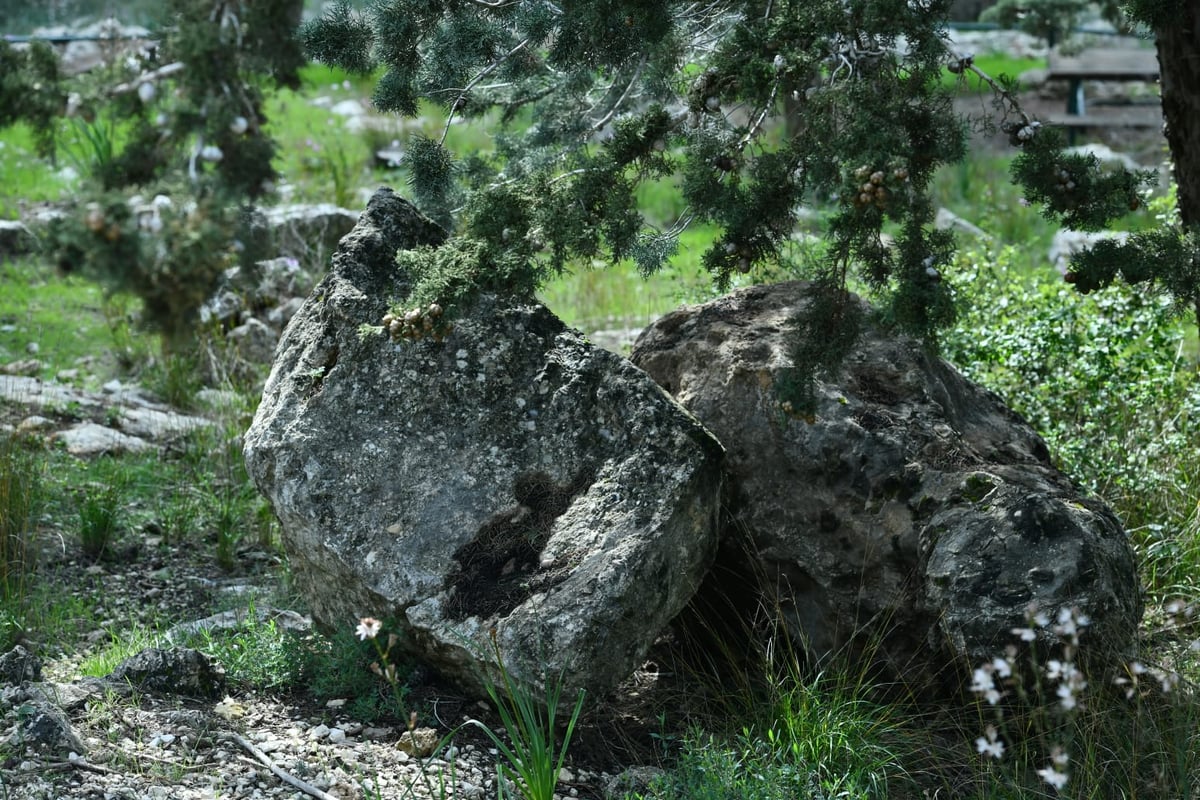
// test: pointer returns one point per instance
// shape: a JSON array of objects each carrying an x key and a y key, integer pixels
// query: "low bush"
[{"x": 1108, "y": 381}]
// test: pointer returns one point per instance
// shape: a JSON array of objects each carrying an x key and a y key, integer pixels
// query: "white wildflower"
[
  {"x": 1169, "y": 681},
  {"x": 982, "y": 683},
  {"x": 1053, "y": 777},
  {"x": 1002, "y": 667},
  {"x": 988, "y": 744},
  {"x": 210, "y": 152},
  {"x": 368, "y": 628},
  {"x": 1066, "y": 697},
  {"x": 146, "y": 91},
  {"x": 1024, "y": 634},
  {"x": 981, "y": 680}
]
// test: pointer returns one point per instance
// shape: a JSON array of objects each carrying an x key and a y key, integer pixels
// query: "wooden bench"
[{"x": 1123, "y": 65}]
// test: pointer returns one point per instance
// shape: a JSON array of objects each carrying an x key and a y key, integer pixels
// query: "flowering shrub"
[{"x": 1044, "y": 714}]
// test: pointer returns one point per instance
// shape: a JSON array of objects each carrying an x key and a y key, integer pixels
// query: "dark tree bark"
[{"x": 1179, "y": 70}]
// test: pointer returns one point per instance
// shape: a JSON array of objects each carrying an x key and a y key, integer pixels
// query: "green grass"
[
  {"x": 28, "y": 179},
  {"x": 993, "y": 65},
  {"x": 68, "y": 319},
  {"x": 121, "y": 646},
  {"x": 21, "y": 481}
]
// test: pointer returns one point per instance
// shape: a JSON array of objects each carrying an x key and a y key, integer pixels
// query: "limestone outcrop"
[
  {"x": 913, "y": 509},
  {"x": 510, "y": 483}
]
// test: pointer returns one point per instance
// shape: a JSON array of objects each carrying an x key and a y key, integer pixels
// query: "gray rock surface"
[
  {"x": 93, "y": 439},
  {"x": 15, "y": 238},
  {"x": 301, "y": 229},
  {"x": 134, "y": 421},
  {"x": 176, "y": 671},
  {"x": 914, "y": 506},
  {"x": 44, "y": 728},
  {"x": 511, "y": 478},
  {"x": 253, "y": 341},
  {"x": 19, "y": 665}
]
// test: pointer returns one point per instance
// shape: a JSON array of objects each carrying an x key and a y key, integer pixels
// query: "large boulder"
[
  {"x": 913, "y": 510},
  {"x": 509, "y": 486}
]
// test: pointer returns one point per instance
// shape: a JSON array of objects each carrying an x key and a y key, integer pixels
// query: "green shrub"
[
  {"x": 257, "y": 654},
  {"x": 99, "y": 518},
  {"x": 1105, "y": 379},
  {"x": 338, "y": 666}
]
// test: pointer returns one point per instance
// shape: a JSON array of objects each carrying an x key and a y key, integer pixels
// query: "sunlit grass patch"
[{"x": 62, "y": 321}]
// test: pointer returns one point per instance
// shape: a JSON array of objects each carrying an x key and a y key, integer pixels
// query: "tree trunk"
[{"x": 1179, "y": 70}]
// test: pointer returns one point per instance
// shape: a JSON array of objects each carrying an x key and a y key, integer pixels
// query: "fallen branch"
[
  {"x": 75, "y": 763},
  {"x": 291, "y": 780}
]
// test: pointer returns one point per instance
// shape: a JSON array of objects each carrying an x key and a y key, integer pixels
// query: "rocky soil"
[{"x": 63, "y": 736}]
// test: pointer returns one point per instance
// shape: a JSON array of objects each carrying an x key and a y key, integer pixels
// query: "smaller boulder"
[
  {"x": 300, "y": 229},
  {"x": 45, "y": 729},
  {"x": 180, "y": 671},
  {"x": 19, "y": 665},
  {"x": 254, "y": 341},
  {"x": 15, "y": 238},
  {"x": 91, "y": 439},
  {"x": 912, "y": 513}
]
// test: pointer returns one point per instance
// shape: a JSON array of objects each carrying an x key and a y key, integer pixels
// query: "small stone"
[
  {"x": 377, "y": 734},
  {"x": 319, "y": 732},
  {"x": 25, "y": 366},
  {"x": 418, "y": 743},
  {"x": 337, "y": 735},
  {"x": 35, "y": 423}
]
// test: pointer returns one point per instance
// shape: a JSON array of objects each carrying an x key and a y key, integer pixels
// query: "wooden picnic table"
[
  {"x": 1121, "y": 65},
  {"x": 1101, "y": 65}
]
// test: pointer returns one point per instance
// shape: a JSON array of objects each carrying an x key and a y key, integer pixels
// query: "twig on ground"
[
  {"x": 76, "y": 763},
  {"x": 291, "y": 780}
]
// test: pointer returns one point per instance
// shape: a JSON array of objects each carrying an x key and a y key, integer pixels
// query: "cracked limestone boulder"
[
  {"x": 913, "y": 518},
  {"x": 508, "y": 484}
]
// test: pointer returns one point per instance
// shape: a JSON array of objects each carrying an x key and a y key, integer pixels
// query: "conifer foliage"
[
  {"x": 626, "y": 91},
  {"x": 175, "y": 151}
]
